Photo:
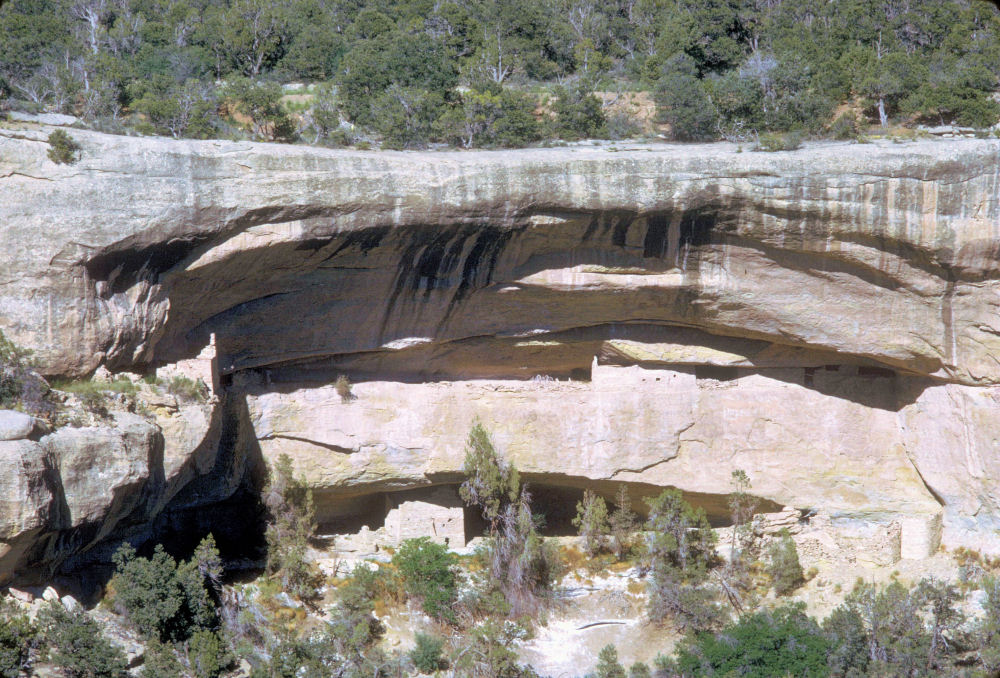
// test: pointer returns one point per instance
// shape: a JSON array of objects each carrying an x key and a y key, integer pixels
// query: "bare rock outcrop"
[
  {"x": 15, "y": 425},
  {"x": 842, "y": 445},
  {"x": 78, "y": 489},
  {"x": 151, "y": 245},
  {"x": 824, "y": 319}
]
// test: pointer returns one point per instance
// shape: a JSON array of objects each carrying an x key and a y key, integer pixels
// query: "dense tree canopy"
[{"x": 409, "y": 72}]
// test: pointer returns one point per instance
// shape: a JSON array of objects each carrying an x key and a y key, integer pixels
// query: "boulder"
[
  {"x": 27, "y": 492},
  {"x": 15, "y": 425},
  {"x": 103, "y": 470},
  {"x": 21, "y": 595},
  {"x": 44, "y": 118}
]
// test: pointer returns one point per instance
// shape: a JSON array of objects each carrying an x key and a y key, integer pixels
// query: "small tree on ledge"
[
  {"x": 63, "y": 148},
  {"x": 592, "y": 521}
]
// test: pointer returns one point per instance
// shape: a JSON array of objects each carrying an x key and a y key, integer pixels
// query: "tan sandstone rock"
[
  {"x": 236, "y": 238},
  {"x": 100, "y": 468},
  {"x": 26, "y": 499},
  {"x": 823, "y": 319},
  {"x": 15, "y": 425}
]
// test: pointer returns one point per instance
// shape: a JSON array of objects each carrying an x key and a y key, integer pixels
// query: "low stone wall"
[{"x": 436, "y": 513}]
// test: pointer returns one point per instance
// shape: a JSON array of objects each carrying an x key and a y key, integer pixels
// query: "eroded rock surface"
[
  {"x": 824, "y": 319},
  {"x": 864, "y": 448},
  {"x": 15, "y": 425},
  {"x": 81, "y": 488},
  {"x": 883, "y": 252}
]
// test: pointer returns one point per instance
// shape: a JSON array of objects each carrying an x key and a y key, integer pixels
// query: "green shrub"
[
  {"x": 160, "y": 661},
  {"x": 579, "y": 114},
  {"x": 62, "y": 148},
  {"x": 377, "y": 69},
  {"x": 487, "y": 650},
  {"x": 162, "y": 599},
  {"x": 406, "y": 117},
  {"x": 353, "y": 632},
  {"x": 290, "y": 656},
  {"x": 783, "y": 642},
  {"x": 10, "y": 389},
  {"x": 516, "y": 124},
  {"x": 773, "y": 92},
  {"x": 180, "y": 110},
  {"x": 690, "y": 605},
  {"x": 491, "y": 483},
  {"x": 491, "y": 115},
  {"x": 890, "y": 630},
  {"x": 207, "y": 654},
  {"x": 742, "y": 507},
  {"x": 844, "y": 629},
  {"x": 77, "y": 646},
  {"x": 680, "y": 535},
  {"x": 19, "y": 638},
  {"x": 623, "y": 125},
  {"x": 324, "y": 119},
  {"x": 95, "y": 396},
  {"x": 261, "y": 103},
  {"x": 772, "y": 142},
  {"x": 346, "y": 647},
  {"x": 592, "y": 521},
  {"x": 939, "y": 602},
  {"x": 186, "y": 388},
  {"x": 427, "y": 571},
  {"x": 343, "y": 387},
  {"x": 521, "y": 564},
  {"x": 846, "y": 127},
  {"x": 639, "y": 670},
  {"x": 987, "y": 630},
  {"x": 783, "y": 565},
  {"x": 954, "y": 97},
  {"x": 291, "y": 512},
  {"x": 623, "y": 523},
  {"x": 683, "y": 103},
  {"x": 681, "y": 548},
  {"x": 368, "y": 584},
  {"x": 88, "y": 387},
  {"x": 15, "y": 373},
  {"x": 608, "y": 665},
  {"x": 147, "y": 592},
  {"x": 426, "y": 655}
]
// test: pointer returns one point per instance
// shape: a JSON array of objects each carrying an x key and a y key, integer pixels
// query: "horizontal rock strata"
[{"x": 824, "y": 319}]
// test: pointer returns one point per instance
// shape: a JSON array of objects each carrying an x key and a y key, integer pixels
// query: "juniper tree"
[
  {"x": 592, "y": 521},
  {"x": 520, "y": 562},
  {"x": 623, "y": 523},
  {"x": 742, "y": 507},
  {"x": 490, "y": 483},
  {"x": 783, "y": 566}
]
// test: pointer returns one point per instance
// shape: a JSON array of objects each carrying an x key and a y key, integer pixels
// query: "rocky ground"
[{"x": 596, "y": 605}]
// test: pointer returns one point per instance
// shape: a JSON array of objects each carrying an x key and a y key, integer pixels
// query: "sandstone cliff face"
[
  {"x": 79, "y": 489},
  {"x": 824, "y": 319},
  {"x": 143, "y": 247}
]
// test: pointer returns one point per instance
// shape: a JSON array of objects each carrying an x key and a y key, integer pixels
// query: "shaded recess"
[
  {"x": 425, "y": 281},
  {"x": 346, "y": 301},
  {"x": 554, "y": 499},
  {"x": 224, "y": 502}
]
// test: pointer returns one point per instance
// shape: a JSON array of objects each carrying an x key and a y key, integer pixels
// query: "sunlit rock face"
[
  {"x": 139, "y": 251},
  {"x": 859, "y": 445},
  {"x": 824, "y": 319}
]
